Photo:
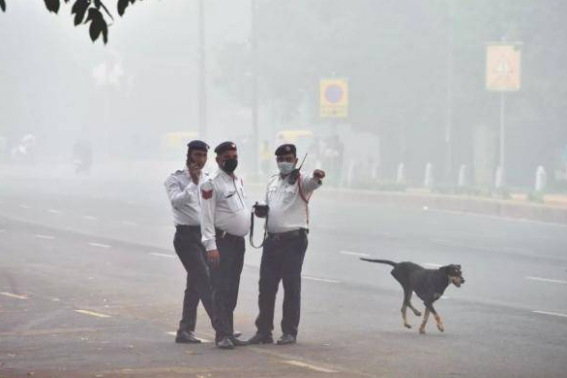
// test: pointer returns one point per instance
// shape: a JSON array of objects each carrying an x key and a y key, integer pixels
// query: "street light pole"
[
  {"x": 449, "y": 104},
  {"x": 202, "y": 74},
  {"x": 254, "y": 68}
]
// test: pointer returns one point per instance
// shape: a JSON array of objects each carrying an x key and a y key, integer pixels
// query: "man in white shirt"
[
  {"x": 224, "y": 223},
  {"x": 183, "y": 191},
  {"x": 287, "y": 197}
]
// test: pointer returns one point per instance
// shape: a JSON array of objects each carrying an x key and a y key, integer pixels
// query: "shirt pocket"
[
  {"x": 289, "y": 193},
  {"x": 232, "y": 200},
  {"x": 272, "y": 193}
]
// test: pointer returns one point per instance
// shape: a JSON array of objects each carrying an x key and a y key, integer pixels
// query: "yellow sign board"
[
  {"x": 503, "y": 72},
  {"x": 333, "y": 98}
]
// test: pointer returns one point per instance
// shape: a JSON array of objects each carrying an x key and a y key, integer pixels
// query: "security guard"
[
  {"x": 225, "y": 221},
  {"x": 183, "y": 189},
  {"x": 284, "y": 250}
]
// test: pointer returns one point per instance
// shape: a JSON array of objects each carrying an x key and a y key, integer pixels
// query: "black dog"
[{"x": 428, "y": 284}]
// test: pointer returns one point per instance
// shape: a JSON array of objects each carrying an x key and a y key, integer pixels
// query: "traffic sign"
[
  {"x": 503, "y": 72},
  {"x": 333, "y": 94}
]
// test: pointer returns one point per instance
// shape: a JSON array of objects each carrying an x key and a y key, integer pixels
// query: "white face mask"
[{"x": 285, "y": 167}]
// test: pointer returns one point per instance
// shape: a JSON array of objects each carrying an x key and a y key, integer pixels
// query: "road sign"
[
  {"x": 333, "y": 98},
  {"x": 503, "y": 72}
]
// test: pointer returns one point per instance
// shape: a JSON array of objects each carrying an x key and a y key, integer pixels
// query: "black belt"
[
  {"x": 225, "y": 235},
  {"x": 287, "y": 235},
  {"x": 188, "y": 229}
]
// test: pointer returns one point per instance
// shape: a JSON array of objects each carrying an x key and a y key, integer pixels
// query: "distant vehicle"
[
  {"x": 24, "y": 152},
  {"x": 302, "y": 138}
]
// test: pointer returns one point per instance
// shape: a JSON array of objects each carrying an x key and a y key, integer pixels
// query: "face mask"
[
  {"x": 230, "y": 165},
  {"x": 285, "y": 167}
]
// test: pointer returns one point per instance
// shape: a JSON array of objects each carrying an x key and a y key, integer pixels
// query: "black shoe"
[
  {"x": 286, "y": 339},
  {"x": 238, "y": 342},
  {"x": 261, "y": 339},
  {"x": 186, "y": 337},
  {"x": 224, "y": 343}
]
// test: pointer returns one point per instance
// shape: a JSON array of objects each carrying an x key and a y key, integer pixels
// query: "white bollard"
[
  {"x": 401, "y": 174},
  {"x": 428, "y": 182},
  {"x": 499, "y": 180},
  {"x": 350, "y": 173},
  {"x": 541, "y": 179},
  {"x": 462, "y": 182}
]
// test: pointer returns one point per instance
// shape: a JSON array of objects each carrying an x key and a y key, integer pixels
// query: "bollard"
[
  {"x": 499, "y": 180},
  {"x": 350, "y": 173},
  {"x": 428, "y": 179},
  {"x": 428, "y": 182},
  {"x": 541, "y": 179},
  {"x": 401, "y": 174},
  {"x": 462, "y": 182}
]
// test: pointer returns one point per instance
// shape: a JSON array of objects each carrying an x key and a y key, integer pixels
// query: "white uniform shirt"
[
  {"x": 288, "y": 210},
  {"x": 185, "y": 198},
  {"x": 223, "y": 206}
]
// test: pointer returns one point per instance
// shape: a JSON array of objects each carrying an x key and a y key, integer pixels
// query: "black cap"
[
  {"x": 285, "y": 149},
  {"x": 225, "y": 146},
  {"x": 198, "y": 145}
]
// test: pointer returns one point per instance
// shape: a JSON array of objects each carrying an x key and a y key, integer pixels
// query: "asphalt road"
[{"x": 90, "y": 286}]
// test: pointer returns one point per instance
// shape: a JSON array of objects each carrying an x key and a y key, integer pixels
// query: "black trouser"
[
  {"x": 188, "y": 246},
  {"x": 225, "y": 280},
  {"x": 282, "y": 259}
]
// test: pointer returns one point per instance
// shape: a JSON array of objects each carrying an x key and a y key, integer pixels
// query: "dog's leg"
[
  {"x": 404, "y": 316},
  {"x": 415, "y": 310},
  {"x": 431, "y": 309},
  {"x": 407, "y": 297},
  {"x": 424, "y": 323},
  {"x": 440, "y": 325}
]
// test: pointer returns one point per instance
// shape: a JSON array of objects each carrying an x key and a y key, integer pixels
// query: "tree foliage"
[{"x": 93, "y": 13}]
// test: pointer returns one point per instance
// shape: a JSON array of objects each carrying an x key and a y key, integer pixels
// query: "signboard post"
[
  {"x": 503, "y": 74},
  {"x": 333, "y": 98}
]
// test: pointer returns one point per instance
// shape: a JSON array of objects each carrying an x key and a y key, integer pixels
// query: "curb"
[{"x": 483, "y": 206}]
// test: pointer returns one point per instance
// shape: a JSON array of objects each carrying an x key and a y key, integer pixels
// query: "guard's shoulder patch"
[{"x": 206, "y": 194}]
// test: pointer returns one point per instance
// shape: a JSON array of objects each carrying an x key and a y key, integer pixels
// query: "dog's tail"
[{"x": 388, "y": 262}]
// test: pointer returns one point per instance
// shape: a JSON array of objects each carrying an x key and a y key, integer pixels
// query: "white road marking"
[
  {"x": 92, "y": 313},
  {"x": 25, "y": 206},
  {"x": 99, "y": 245},
  {"x": 546, "y": 280},
  {"x": 162, "y": 254},
  {"x": 48, "y": 237},
  {"x": 90, "y": 217},
  {"x": 320, "y": 279},
  {"x": 53, "y": 211},
  {"x": 129, "y": 223},
  {"x": 310, "y": 366},
  {"x": 349, "y": 253},
  {"x": 550, "y": 313},
  {"x": 12, "y": 295},
  {"x": 433, "y": 265}
]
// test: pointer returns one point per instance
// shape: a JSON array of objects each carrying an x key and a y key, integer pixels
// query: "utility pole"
[
  {"x": 449, "y": 104},
  {"x": 254, "y": 68},
  {"x": 202, "y": 74}
]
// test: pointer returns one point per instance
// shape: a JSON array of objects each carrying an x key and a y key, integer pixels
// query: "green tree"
[{"x": 90, "y": 12}]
